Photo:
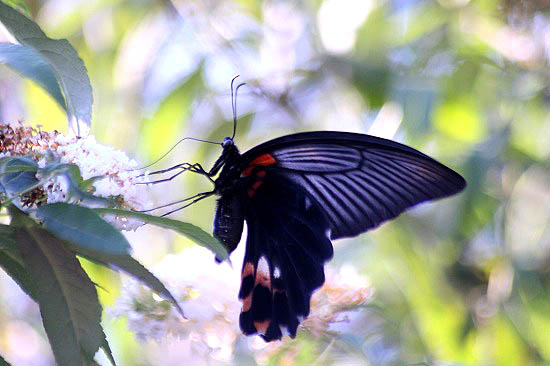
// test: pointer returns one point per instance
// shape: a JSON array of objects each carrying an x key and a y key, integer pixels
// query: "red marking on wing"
[
  {"x": 255, "y": 186},
  {"x": 262, "y": 160},
  {"x": 262, "y": 326},
  {"x": 261, "y": 173},
  {"x": 247, "y": 171},
  {"x": 248, "y": 270},
  {"x": 247, "y": 303},
  {"x": 263, "y": 279}
]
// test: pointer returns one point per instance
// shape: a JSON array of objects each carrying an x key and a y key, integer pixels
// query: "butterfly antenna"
[
  {"x": 235, "y": 109},
  {"x": 233, "y": 93},
  {"x": 172, "y": 148}
]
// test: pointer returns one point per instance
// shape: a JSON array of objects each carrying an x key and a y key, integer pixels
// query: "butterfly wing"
[
  {"x": 286, "y": 249},
  {"x": 360, "y": 181},
  {"x": 304, "y": 190}
]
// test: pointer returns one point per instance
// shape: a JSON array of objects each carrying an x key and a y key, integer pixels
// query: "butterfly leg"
[
  {"x": 177, "y": 166},
  {"x": 200, "y": 170},
  {"x": 195, "y": 168},
  {"x": 195, "y": 198},
  {"x": 184, "y": 167},
  {"x": 199, "y": 196}
]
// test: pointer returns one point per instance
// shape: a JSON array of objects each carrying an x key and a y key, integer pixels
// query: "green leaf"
[
  {"x": 68, "y": 301},
  {"x": 137, "y": 270},
  {"x": 16, "y": 163},
  {"x": 18, "y": 273},
  {"x": 72, "y": 171},
  {"x": 191, "y": 231},
  {"x": 18, "y": 182},
  {"x": 90, "y": 181},
  {"x": 132, "y": 267},
  {"x": 17, "y": 168},
  {"x": 107, "y": 349},
  {"x": 3, "y": 362},
  {"x": 10, "y": 257},
  {"x": 89, "y": 235},
  {"x": 32, "y": 65},
  {"x": 7, "y": 237},
  {"x": 20, "y": 5},
  {"x": 83, "y": 227},
  {"x": 18, "y": 174},
  {"x": 69, "y": 69}
]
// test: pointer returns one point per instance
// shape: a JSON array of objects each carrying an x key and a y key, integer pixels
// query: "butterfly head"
[
  {"x": 230, "y": 155},
  {"x": 228, "y": 141}
]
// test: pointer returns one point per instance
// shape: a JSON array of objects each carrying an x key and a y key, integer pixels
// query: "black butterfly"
[{"x": 299, "y": 192}]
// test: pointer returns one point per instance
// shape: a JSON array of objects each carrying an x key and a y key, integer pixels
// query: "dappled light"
[{"x": 461, "y": 281}]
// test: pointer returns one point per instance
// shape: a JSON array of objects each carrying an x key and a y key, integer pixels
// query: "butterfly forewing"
[
  {"x": 320, "y": 157},
  {"x": 359, "y": 181}
]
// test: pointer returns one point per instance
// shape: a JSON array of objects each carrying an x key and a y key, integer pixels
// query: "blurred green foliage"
[{"x": 462, "y": 281}]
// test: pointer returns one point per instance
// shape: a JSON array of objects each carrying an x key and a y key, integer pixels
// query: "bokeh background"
[{"x": 464, "y": 281}]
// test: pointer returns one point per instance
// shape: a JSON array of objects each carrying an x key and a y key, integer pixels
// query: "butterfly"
[{"x": 299, "y": 192}]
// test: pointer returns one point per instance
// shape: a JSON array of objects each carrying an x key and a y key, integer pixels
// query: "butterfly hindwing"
[{"x": 286, "y": 249}]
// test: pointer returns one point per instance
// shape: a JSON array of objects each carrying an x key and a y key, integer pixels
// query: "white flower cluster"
[
  {"x": 94, "y": 159},
  {"x": 208, "y": 294},
  {"x": 118, "y": 177}
]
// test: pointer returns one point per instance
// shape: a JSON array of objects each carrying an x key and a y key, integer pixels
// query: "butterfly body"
[{"x": 299, "y": 192}]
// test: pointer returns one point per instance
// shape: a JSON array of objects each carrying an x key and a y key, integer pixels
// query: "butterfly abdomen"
[{"x": 228, "y": 224}]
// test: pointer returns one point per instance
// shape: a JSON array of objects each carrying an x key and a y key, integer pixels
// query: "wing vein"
[
  {"x": 384, "y": 193},
  {"x": 391, "y": 182},
  {"x": 430, "y": 169},
  {"x": 332, "y": 211},
  {"x": 412, "y": 187}
]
